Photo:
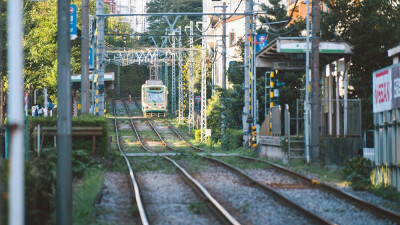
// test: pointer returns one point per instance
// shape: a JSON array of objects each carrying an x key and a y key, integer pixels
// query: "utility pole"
[
  {"x": 315, "y": 78},
  {"x": 101, "y": 50},
  {"x": 85, "y": 58},
  {"x": 118, "y": 83},
  {"x": 203, "y": 110},
  {"x": 64, "y": 124},
  {"x": 180, "y": 80},
  {"x": 16, "y": 203},
  {"x": 191, "y": 79},
  {"x": 173, "y": 97},
  {"x": 223, "y": 78},
  {"x": 307, "y": 94},
  {"x": 245, "y": 116}
]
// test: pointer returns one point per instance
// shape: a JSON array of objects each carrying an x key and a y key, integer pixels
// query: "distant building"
[
  {"x": 235, "y": 29},
  {"x": 137, "y": 23},
  {"x": 301, "y": 8}
]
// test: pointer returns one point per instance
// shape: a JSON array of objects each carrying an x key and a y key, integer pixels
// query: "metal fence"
[
  {"x": 387, "y": 147},
  {"x": 332, "y": 117}
]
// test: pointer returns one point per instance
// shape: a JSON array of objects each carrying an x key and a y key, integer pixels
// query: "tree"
[{"x": 371, "y": 27}]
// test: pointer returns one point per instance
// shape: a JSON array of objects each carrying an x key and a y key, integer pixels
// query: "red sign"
[{"x": 197, "y": 99}]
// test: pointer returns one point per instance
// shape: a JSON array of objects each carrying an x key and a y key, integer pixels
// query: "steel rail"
[
  {"x": 214, "y": 205},
  {"x": 280, "y": 197},
  {"x": 187, "y": 143},
  {"x": 270, "y": 190},
  {"x": 142, "y": 212},
  {"x": 374, "y": 209}
]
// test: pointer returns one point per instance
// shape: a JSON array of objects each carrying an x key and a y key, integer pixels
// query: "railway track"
[
  {"x": 308, "y": 216},
  {"x": 142, "y": 213},
  {"x": 339, "y": 202},
  {"x": 215, "y": 207}
]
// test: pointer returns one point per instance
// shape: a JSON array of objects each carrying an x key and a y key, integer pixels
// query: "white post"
[
  {"x": 38, "y": 139},
  {"x": 45, "y": 97},
  {"x": 337, "y": 99},
  {"x": 306, "y": 106},
  {"x": 330, "y": 87},
  {"x": 16, "y": 206},
  {"x": 345, "y": 87}
]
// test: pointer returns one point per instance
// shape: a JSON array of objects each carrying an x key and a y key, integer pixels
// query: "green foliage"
[
  {"x": 197, "y": 207},
  {"x": 245, "y": 207},
  {"x": 157, "y": 24},
  {"x": 371, "y": 27},
  {"x": 214, "y": 116},
  {"x": 84, "y": 143},
  {"x": 232, "y": 139},
  {"x": 84, "y": 195},
  {"x": 358, "y": 172}
]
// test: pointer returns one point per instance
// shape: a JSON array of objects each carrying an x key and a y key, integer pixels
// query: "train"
[{"x": 154, "y": 99}]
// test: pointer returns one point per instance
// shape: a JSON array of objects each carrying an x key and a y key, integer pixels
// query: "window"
[{"x": 232, "y": 39}]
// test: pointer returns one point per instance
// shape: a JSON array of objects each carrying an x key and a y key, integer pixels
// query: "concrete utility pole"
[
  {"x": 315, "y": 78},
  {"x": 118, "y": 83},
  {"x": 16, "y": 187},
  {"x": 307, "y": 94},
  {"x": 85, "y": 58},
  {"x": 223, "y": 78},
  {"x": 101, "y": 54},
  {"x": 248, "y": 9},
  {"x": 64, "y": 124}
]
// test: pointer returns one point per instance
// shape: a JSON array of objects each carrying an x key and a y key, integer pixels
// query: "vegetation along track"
[
  {"x": 242, "y": 190},
  {"x": 216, "y": 208},
  {"x": 328, "y": 202}
]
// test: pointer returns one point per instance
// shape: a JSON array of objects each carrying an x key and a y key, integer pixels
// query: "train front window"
[{"x": 155, "y": 97}]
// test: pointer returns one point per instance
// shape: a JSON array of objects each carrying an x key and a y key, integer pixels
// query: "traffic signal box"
[{"x": 254, "y": 137}]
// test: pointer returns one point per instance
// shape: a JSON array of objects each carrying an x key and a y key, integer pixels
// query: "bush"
[
  {"x": 232, "y": 139},
  {"x": 358, "y": 172},
  {"x": 84, "y": 143},
  {"x": 197, "y": 135}
]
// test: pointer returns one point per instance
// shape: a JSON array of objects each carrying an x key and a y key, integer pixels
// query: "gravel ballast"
[
  {"x": 167, "y": 200},
  {"x": 116, "y": 204},
  {"x": 321, "y": 203},
  {"x": 249, "y": 205}
]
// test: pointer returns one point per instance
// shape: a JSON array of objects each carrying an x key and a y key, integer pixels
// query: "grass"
[
  {"x": 84, "y": 194},
  {"x": 242, "y": 163},
  {"x": 142, "y": 164},
  {"x": 192, "y": 162},
  {"x": 197, "y": 208}
]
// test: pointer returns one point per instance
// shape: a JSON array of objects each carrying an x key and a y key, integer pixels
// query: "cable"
[
  {"x": 289, "y": 20},
  {"x": 235, "y": 10}
]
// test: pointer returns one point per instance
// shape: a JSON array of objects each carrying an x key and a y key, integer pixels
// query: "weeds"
[
  {"x": 197, "y": 207},
  {"x": 245, "y": 207}
]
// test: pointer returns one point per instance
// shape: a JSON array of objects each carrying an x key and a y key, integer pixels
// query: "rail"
[
  {"x": 142, "y": 212},
  {"x": 280, "y": 197},
  {"x": 216, "y": 208},
  {"x": 377, "y": 210}
]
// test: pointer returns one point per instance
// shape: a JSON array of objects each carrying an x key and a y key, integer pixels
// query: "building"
[
  {"x": 301, "y": 8},
  {"x": 137, "y": 23},
  {"x": 235, "y": 29}
]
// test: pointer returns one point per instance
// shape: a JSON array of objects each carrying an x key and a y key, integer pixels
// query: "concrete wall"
[
  {"x": 334, "y": 151},
  {"x": 270, "y": 148}
]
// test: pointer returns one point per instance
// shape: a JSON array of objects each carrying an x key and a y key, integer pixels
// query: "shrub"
[
  {"x": 358, "y": 172},
  {"x": 78, "y": 142},
  {"x": 197, "y": 135},
  {"x": 232, "y": 139}
]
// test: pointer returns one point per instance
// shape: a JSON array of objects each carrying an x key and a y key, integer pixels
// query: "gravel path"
[
  {"x": 248, "y": 204},
  {"x": 116, "y": 204},
  {"x": 321, "y": 203},
  {"x": 148, "y": 136},
  {"x": 167, "y": 200}
]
